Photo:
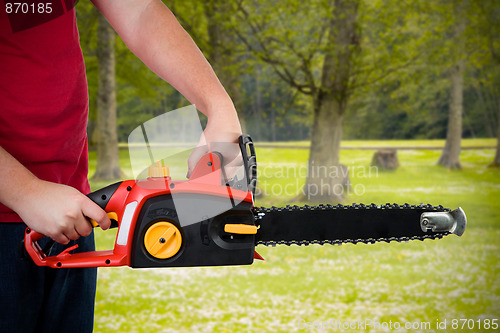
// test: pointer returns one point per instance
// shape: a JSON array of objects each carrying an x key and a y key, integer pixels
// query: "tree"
[
  {"x": 336, "y": 36},
  {"x": 450, "y": 156},
  {"x": 317, "y": 48},
  {"x": 330, "y": 104},
  {"x": 108, "y": 167},
  {"x": 489, "y": 19}
]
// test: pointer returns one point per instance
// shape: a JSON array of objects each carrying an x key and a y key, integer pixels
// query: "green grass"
[
  {"x": 437, "y": 143},
  {"x": 418, "y": 282}
]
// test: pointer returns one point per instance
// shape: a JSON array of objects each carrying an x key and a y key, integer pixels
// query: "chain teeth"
[{"x": 427, "y": 207}]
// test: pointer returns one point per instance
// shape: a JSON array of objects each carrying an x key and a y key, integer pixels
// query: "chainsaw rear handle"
[{"x": 100, "y": 197}]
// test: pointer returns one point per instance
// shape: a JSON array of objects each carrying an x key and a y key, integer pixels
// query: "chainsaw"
[{"x": 210, "y": 221}]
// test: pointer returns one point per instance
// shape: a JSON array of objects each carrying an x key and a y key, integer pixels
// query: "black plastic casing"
[{"x": 204, "y": 242}]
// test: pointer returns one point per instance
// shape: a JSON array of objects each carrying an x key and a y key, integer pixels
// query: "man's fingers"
[
  {"x": 96, "y": 213},
  {"x": 83, "y": 228},
  {"x": 72, "y": 234},
  {"x": 61, "y": 238}
]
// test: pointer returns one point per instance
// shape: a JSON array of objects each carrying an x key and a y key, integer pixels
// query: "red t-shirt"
[{"x": 44, "y": 97}]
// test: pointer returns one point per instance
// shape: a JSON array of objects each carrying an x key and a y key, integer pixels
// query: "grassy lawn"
[
  {"x": 299, "y": 289},
  {"x": 436, "y": 143}
]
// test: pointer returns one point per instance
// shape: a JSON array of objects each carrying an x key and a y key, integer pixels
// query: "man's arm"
[
  {"x": 152, "y": 32},
  {"x": 55, "y": 210}
]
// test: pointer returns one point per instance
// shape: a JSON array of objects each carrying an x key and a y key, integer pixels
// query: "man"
[{"x": 43, "y": 144}]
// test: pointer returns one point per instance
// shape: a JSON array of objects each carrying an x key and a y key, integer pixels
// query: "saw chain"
[{"x": 356, "y": 223}]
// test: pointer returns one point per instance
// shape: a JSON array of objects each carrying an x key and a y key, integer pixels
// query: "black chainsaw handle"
[
  {"x": 249, "y": 161},
  {"x": 101, "y": 197}
]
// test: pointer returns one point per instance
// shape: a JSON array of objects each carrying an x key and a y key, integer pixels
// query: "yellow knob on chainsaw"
[
  {"x": 162, "y": 240},
  {"x": 158, "y": 170}
]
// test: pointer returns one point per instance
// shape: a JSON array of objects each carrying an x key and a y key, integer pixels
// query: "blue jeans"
[{"x": 43, "y": 299}]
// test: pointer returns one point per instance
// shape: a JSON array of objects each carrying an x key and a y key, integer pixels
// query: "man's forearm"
[
  {"x": 153, "y": 33},
  {"x": 15, "y": 179}
]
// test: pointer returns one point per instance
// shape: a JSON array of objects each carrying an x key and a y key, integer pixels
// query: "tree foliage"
[{"x": 399, "y": 87}]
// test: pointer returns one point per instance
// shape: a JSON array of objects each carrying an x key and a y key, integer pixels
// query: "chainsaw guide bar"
[{"x": 356, "y": 223}]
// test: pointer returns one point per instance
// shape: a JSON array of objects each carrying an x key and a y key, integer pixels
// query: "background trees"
[{"x": 323, "y": 70}]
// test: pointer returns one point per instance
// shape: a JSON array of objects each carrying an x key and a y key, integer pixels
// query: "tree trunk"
[
  {"x": 450, "y": 157},
  {"x": 108, "y": 167},
  {"x": 326, "y": 178}
]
